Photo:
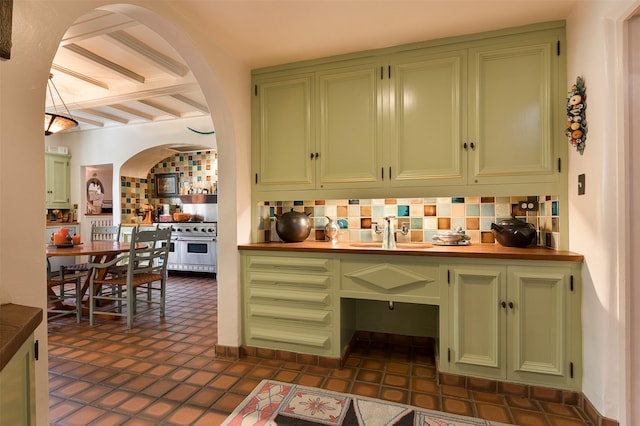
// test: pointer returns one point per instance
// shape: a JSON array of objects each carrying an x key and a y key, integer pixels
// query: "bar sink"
[{"x": 399, "y": 246}]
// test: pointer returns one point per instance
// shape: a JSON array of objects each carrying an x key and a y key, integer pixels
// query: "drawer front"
[
  {"x": 402, "y": 282},
  {"x": 289, "y": 264},
  {"x": 288, "y": 280},
  {"x": 289, "y": 297},
  {"x": 258, "y": 313},
  {"x": 287, "y": 337}
]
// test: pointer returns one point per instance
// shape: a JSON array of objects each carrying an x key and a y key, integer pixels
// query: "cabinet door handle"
[
  {"x": 389, "y": 172},
  {"x": 511, "y": 305},
  {"x": 382, "y": 173},
  {"x": 317, "y": 154},
  {"x": 503, "y": 304},
  {"x": 473, "y": 146},
  {"x": 312, "y": 155},
  {"x": 464, "y": 145}
]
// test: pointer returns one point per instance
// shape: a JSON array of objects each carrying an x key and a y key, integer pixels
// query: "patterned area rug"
[{"x": 284, "y": 404}]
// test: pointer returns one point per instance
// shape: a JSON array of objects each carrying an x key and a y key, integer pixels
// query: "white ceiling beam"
[
  {"x": 88, "y": 121},
  {"x": 80, "y": 76},
  {"x": 97, "y": 23},
  {"x": 108, "y": 116},
  {"x": 132, "y": 111},
  {"x": 149, "y": 53},
  {"x": 159, "y": 107},
  {"x": 134, "y": 96},
  {"x": 87, "y": 54},
  {"x": 191, "y": 102}
]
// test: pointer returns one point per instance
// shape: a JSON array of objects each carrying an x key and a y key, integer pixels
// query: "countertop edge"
[
  {"x": 17, "y": 322},
  {"x": 477, "y": 251}
]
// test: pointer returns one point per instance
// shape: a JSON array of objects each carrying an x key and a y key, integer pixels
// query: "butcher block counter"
[
  {"x": 17, "y": 322},
  {"x": 477, "y": 251}
]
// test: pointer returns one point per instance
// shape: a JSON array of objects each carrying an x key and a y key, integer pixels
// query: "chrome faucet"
[{"x": 388, "y": 237}]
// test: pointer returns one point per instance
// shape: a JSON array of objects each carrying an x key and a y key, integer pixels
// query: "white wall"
[
  {"x": 37, "y": 28},
  {"x": 118, "y": 144},
  {"x": 633, "y": 190},
  {"x": 595, "y": 50}
]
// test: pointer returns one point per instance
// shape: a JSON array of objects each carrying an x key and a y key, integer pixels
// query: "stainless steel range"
[
  {"x": 193, "y": 243},
  {"x": 193, "y": 246}
]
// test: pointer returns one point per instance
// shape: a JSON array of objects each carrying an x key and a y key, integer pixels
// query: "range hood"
[{"x": 199, "y": 199}]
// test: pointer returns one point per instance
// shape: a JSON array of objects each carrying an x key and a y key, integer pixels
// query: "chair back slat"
[
  {"x": 152, "y": 257},
  {"x": 105, "y": 233}
]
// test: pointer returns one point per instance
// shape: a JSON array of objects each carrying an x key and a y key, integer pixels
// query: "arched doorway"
[{"x": 232, "y": 129}]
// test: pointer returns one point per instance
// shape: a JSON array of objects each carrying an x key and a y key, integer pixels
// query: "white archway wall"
[
  {"x": 598, "y": 218},
  {"x": 223, "y": 82},
  {"x": 37, "y": 28},
  {"x": 633, "y": 292}
]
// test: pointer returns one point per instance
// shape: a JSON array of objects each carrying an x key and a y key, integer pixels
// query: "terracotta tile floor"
[{"x": 164, "y": 372}]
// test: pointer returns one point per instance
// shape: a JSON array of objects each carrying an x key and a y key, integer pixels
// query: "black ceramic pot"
[
  {"x": 293, "y": 227},
  {"x": 514, "y": 233}
]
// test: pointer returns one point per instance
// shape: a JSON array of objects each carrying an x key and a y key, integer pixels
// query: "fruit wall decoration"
[{"x": 576, "y": 115}]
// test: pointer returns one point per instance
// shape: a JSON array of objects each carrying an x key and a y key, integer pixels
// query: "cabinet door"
[
  {"x": 283, "y": 140},
  {"x": 17, "y": 387},
  {"x": 350, "y": 117},
  {"x": 57, "y": 172},
  {"x": 477, "y": 321},
  {"x": 428, "y": 119},
  {"x": 537, "y": 325},
  {"x": 512, "y": 114}
]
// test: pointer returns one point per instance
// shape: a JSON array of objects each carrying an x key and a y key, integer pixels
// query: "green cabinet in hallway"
[{"x": 58, "y": 183}]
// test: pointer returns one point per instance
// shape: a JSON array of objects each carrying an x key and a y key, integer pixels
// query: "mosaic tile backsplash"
[
  {"x": 425, "y": 217},
  {"x": 197, "y": 170}
]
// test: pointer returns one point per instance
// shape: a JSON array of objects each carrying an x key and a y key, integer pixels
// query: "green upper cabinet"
[
  {"x": 513, "y": 116},
  {"x": 427, "y": 109},
  {"x": 283, "y": 133},
  {"x": 57, "y": 173},
  {"x": 317, "y": 130},
  {"x": 479, "y": 114},
  {"x": 349, "y": 127}
]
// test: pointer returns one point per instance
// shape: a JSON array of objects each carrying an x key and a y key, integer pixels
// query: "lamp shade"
[{"x": 54, "y": 123}]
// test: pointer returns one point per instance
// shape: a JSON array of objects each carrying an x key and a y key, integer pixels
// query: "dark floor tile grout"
[{"x": 167, "y": 367}]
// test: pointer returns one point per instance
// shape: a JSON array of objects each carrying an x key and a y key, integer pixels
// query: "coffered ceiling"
[
  {"x": 110, "y": 71},
  {"x": 114, "y": 71}
]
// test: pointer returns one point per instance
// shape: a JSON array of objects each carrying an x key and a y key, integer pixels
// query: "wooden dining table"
[{"x": 98, "y": 251}]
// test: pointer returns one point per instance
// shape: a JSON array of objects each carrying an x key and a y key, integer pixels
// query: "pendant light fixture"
[{"x": 54, "y": 122}]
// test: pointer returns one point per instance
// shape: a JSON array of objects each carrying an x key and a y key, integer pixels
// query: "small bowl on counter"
[{"x": 455, "y": 237}]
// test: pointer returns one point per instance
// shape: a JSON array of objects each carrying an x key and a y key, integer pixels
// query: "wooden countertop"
[
  {"x": 61, "y": 223},
  {"x": 17, "y": 322},
  {"x": 478, "y": 251}
]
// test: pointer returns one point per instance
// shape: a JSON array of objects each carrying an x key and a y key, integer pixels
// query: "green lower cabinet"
[
  {"x": 17, "y": 388},
  {"x": 515, "y": 323},
  {"x": 507, "y": 320},
  {"x": 289, "y": 303}
]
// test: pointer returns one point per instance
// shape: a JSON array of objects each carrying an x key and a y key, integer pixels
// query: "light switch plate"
[{"x": 581, "y": 184}]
